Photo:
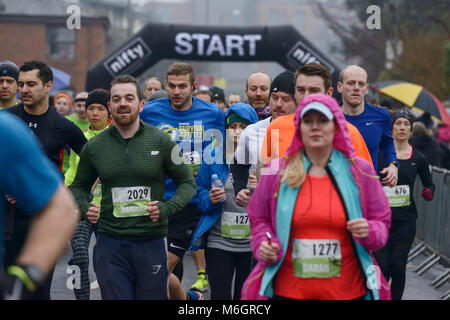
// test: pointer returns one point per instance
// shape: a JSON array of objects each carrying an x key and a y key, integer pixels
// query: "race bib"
[
  {"x": 316, "y": 258},
  {"x": 130, "y": 201},
  {"x": 398, "y": 196},
  {"x": 193, "y": 160},
  {"x": 235, "y": 225}
]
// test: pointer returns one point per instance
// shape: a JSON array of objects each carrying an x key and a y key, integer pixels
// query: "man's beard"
[
  {"x": 183, "y": 103},
  {"x": 125, "y": 121},
  {"x": 251, "y": 101},
  {"x": 5, "y": 100}
]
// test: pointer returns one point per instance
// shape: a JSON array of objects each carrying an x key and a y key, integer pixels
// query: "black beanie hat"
[
  {"x": 9, "y": 69},
  {"x": 218, "y": 94},
  {"x": 402, "y": 114},
  {"x": 99, "y": 96},
  {"x": 283, "y": 82}
]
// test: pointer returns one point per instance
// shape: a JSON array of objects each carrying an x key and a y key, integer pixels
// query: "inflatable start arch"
[{"x": 155, "y": 42}]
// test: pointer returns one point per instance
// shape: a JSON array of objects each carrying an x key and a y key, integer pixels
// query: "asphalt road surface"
[{"x": 417, "y": 287}]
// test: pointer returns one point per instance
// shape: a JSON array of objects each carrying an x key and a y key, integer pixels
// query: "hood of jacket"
[
  {"x": 243, "y": 110},
  {"x": 341, "y": 141}
]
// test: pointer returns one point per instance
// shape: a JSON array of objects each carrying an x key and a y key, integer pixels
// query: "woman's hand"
[
  {"x": 216, "y": 195},
  {"x": 268, "y": 251},
  {"x": 359, "y": 228}
]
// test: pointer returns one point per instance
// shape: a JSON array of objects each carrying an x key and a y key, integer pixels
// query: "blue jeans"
[{"x": 129, "y": 270}]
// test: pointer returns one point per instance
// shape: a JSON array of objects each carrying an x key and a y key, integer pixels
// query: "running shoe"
[
  {"x": 201, "y": 284},
  {"x": 194, "y": 295}
]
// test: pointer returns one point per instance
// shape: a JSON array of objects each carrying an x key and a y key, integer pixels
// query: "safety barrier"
[{"x": 433, "y": 228}]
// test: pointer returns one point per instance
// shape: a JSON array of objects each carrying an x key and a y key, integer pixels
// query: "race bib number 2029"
[{"x": 130, "y": 201}]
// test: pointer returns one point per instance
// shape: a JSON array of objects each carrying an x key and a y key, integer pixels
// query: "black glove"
[{"x": 20, "y": 282}]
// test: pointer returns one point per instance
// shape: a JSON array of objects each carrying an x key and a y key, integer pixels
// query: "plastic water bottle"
[{"x": 216, "y": 183}]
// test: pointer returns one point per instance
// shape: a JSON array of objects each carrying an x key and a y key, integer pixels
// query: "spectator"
[{"x": 423, "y": 140}]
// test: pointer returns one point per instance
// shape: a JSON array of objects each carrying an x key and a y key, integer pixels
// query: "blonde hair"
[{"x": 294, "y": 173}]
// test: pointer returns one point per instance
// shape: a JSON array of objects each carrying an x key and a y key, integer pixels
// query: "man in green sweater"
[{"x": 132, "y": 160}]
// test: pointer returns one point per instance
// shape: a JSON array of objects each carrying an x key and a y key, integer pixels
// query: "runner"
[
  {"x": 197, "y": 126},
  {"x": 257, "y": 89},
  {"x": 9, "y": 74},
  {"x": 24, "y": 170},
  {"x": 63, "y": 103},
  {"x": 315, "y": 222},
  {"x": 281, "y": 102},
  {"x": 372, "y": 122},
  {"x": 228, "y": 250},
  {"x": 80, "y": 117},
  {"x": 96, "y": 109},
  {"x": 309, "y": 79},
  {"x": 132, "y": 160},
  {"x": 394, "y": 256},
  {"x": 53, "y": 131}
]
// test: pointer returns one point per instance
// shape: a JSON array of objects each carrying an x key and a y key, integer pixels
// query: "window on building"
[{"x": 60, "y": 43}]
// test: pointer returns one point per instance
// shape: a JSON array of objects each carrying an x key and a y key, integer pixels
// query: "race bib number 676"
[{"x": 398, "y": 196}]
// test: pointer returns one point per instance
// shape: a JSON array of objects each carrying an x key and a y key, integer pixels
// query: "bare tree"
[{"x": 398, "y": 17}]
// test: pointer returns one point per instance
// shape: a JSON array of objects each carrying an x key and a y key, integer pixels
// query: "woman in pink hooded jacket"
[{"x": 317, "y": 214}]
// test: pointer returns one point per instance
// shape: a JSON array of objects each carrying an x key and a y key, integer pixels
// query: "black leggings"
[
  {"x": 220, "y": 267},
  {"x": 393, "y": 257},
  {"x": 80, "y": 247}
]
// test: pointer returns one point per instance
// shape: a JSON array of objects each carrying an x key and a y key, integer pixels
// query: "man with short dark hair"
[
  {"x": 53, "y": 131},
  {"x": 9, "y": 73},
  {"x": 132, "y": 161}
]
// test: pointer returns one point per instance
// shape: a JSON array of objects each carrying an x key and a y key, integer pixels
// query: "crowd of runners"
[{"x": 281, "y": 194}]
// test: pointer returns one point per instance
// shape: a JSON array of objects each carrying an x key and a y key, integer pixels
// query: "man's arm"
[
  {"x": 51, "y": 229},
  {"x": 389, "y": 155},
  {"x": 84, "y": 179},
  {"x": 75, "y": 137},
  {"x": 181, "y": 175}
]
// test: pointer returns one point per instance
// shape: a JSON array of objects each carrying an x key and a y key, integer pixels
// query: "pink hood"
[{"x": 341, "y": 142}]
